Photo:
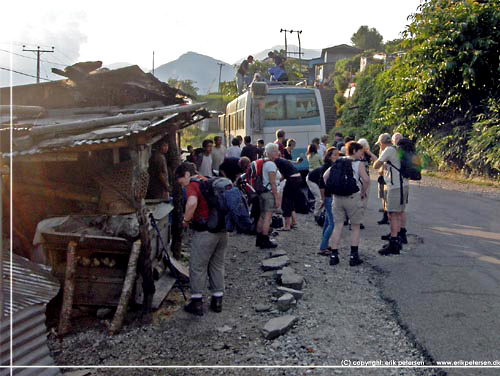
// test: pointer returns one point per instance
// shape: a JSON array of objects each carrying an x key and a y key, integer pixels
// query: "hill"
[
  {"x": 308, "y": 53},
  {"x": 202, "y": 69}
]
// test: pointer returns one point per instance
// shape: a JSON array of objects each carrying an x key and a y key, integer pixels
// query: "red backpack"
[{"x": 254, "y": 176}]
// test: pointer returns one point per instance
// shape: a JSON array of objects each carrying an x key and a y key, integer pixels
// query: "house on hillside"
[{"x": 329, "y": 56}]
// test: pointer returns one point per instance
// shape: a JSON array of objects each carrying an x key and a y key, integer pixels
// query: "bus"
[{"x": 296, "y": 110}]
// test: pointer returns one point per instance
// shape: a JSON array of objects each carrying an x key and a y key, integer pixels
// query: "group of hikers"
[{"x": 254, "y": 182}]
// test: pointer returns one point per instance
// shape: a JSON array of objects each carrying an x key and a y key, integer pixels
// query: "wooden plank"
[
  {"x": 162, "y": 288},
  {"x": 78, "y": 126},
  {"x": 49, "y": 157},
  {"x": 69, "y": 288},
  {"x": 89, "y": 241}
]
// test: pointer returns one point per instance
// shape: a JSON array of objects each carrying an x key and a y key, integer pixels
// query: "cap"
[{"x": 384, "y": 138}]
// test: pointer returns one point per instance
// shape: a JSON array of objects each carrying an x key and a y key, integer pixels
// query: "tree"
[
  {"x": 187, "y": 86},
  {"x": 367, "y": 38}
]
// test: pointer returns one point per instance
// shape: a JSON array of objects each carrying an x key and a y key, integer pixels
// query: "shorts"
[
  {"x": 351, "y": 207},
  {"x": 266, "y": 203},
  {"x": 393, "y": 200}
]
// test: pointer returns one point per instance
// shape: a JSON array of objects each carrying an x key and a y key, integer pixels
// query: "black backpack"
[
  {"x": 411, "y": 165},
  {"x": 213, "y": 191},
  {"x": 341, "y": 180}
]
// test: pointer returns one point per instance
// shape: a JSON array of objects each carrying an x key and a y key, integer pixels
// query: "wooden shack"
[{"x": 80, "y": 166}]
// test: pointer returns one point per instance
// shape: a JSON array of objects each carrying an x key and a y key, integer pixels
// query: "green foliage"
[
  {"x": 393, "y": 46},
  {"x": 445, "y": 81},
  {"x": 194, "y": 136},
  {"x": 187, "y": 86},
  {"x": 367, "y": 38}
]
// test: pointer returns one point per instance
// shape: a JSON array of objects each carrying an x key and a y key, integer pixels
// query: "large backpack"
[
  {"x": 341, "y": 180},
  {"x": 254, "y": 176},
  {"x": 213, "y": 190},
  {"x": 411, "y": 165},
  {"x": 227, "y": 208}
]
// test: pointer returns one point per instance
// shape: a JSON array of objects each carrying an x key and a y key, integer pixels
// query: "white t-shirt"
[
  {"x": 269, "y": 166},
  {"x": 390, "y": 154},
  {"x": 218, "y": 156},
  {"x": 233, "y": 152},
  {"x": 206, "y": 166},
  {"x": 322, "y": 150}
]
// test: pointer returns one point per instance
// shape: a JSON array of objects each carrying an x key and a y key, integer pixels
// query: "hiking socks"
[
  {"x": 394, "y": 245},
  {"x": 402, "y": 235},
  {"x": 334, "y": 257}
]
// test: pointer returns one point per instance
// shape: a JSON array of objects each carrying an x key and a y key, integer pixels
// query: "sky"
[{"x": 122, "y": 31}]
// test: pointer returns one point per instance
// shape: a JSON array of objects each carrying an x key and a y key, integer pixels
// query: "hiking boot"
[
  {"x": 393, "y": 248},
  {"x": 354, "y": 259},
  {"x": 402, "y": 236},
  {"x": 346, "y": 222},
  {"x": 386, "y": 237},
  {"x": 216, "y": 304},
  {"x": 267, "y": 243},
  {"x": 258, "y": 240},
  {"x": 361, "y": 226},
  {"x": 334, "y": 258},
  {"x": 384, "y": 220},
  {"x": 195, "y": 306}
]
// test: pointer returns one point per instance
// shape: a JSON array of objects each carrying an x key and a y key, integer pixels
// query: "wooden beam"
[
  {"x": 59, "y": 192},
  {"x": 48, "y": 157},
  {"x": 68, "y": 291}
]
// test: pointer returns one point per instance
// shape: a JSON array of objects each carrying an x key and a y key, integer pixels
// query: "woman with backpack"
[
  {"x": 291, "y": 191},
  {"x": 331, "y": 155}
]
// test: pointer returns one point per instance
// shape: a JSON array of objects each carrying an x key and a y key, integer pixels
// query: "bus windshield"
[{"x": 290, "y": 106}]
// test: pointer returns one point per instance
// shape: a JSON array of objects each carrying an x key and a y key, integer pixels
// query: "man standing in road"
[
  {"x": 395, "y": 197},
  {"x": 349, "y": 206},
  {"x": 242, "y": 71},
  {"x": 208, "y": 248},
  {"x": 218, "y": 153},
  {"x": 249, "y": 150},
  {"x": 204, "y": 160},
  {"x": 280, "y": 140}
]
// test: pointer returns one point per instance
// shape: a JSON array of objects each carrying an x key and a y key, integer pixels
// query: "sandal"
[
  {"x": 324, "y": 252},
  {"x": 293, "y": 227}
]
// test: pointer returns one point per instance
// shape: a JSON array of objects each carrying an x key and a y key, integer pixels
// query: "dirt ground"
[{"x": 341, "y": 317}]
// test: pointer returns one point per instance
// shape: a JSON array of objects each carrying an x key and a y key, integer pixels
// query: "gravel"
[{"x": 341, "y": 315}]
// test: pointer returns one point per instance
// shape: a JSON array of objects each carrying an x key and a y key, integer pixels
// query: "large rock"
[
  {"x": 285, "y": 302},
  {"x": 278, "y": 326},
  {"x": 297, "y": 294},
  {"x": 275, "y": 263},
  {"x": 292, "y": 280},
  {"x": 277, "y": 253},
  {"x": 262, "y": 307}
]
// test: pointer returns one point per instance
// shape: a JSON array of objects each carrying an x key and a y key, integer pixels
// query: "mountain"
[
  {"x": 202, "y": 69},
  {"x": 307, "y": 53}
]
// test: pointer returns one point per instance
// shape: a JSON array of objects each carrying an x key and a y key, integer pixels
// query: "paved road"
[{"x": 447, "y": 290}]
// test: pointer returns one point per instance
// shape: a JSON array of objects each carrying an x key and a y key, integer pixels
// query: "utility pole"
[
  {"x": 286, "y": 47},
  {"x": 300, "y": 48},
  {"x": 220, "y": 73},
  {"x": 153, "y": 63},
  {"x": 38, "y": 53}
]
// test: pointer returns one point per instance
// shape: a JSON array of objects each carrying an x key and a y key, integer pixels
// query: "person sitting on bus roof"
[
  {"x": 277, "y": 74},
  {"x": 242, "y": 71},
  {"x": 235, "y": 150},
  {"x": 280, "y": 139}
]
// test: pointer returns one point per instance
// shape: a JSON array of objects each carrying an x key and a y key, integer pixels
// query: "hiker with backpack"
[
  {"x": 263, "y": 177},
  {"x": 291, "y": 191},
  {"x": 348, "y": 182},
  {"x": 208, "y": 244},
  {"x": 396, "y": 192},
  {"x": 331, "y": 155}
]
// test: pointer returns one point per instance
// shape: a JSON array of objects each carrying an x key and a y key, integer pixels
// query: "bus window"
[
  {"x": 300, "y": 106},
  {"x": 274, "y": 108}
]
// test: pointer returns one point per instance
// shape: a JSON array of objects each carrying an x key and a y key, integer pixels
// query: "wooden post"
[
  {"x": 173, "y": 161},
  {"x": 69, "y": 288},
  {"x": 145, "y": 263},
  {"x": 128, "y": 285}
]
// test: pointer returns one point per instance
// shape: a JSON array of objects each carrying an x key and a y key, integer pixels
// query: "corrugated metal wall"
[{"x": 32, "y": 288}]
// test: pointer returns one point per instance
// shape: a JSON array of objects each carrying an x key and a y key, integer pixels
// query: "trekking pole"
[{"x": 167, "y": 256}]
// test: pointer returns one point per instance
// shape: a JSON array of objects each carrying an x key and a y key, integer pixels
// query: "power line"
[
  {"x": 24, "y": 74},
  {"x": 32, "y": 58},
  {"x": 38, "y": 52}
]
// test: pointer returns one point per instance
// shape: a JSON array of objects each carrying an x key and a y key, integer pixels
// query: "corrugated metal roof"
[
  {"x": 32, "y": 288},
  {"x": 31, "y": 284},
  {"x": 102, "y": 135}
]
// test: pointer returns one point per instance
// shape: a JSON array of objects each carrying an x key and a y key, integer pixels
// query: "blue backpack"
[{"x": 227, "y": 208}]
